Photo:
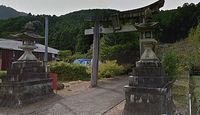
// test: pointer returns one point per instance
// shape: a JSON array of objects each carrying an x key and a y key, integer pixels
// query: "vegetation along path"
[{"x": 78, "y": 99}]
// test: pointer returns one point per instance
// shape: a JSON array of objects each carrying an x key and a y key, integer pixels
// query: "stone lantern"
[
  {"x": 26, "y": 81},
  {"x": 147, "y": 32},
  {"x": 28, "y": 38},
  {"x": 149, "y": 88}
]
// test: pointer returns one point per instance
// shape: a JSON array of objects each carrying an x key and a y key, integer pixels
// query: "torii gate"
[{"x": 140, "y": 14}]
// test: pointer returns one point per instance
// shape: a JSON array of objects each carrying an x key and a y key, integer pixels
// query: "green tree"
[
  {"x": 169, "y": 62},
  {"x": 123, "y": 47},
  {"x": 63, "y": 54}
]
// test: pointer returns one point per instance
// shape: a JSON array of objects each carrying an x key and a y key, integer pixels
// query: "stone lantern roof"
[
  {"x": 147, "y": 26},
  {"x": 29, "y": 38},
  {"x": 29, "y": 33}
]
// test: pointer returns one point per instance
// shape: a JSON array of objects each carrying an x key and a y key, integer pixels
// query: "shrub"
[
  {"x": 69, "y": 72},
  {"x": 109, "y": 69},
  {"x": 3, "y": 74},
  {"x": 169, "y": 61}
]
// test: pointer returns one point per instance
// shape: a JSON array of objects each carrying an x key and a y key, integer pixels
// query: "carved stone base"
[
  {"x": 147, "y": 101},
  {"x": 149, "y": 89},
  {"x": 20, "y": 94},
  {"x": 26, "y": 82}
]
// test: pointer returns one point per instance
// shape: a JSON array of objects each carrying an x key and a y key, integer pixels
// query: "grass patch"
[
  {"x": 180, "y": 101},
  {"x": 196, "y": 92},
  {"x": 3, "y": 74},
  {"x": 180, "y": 91}
]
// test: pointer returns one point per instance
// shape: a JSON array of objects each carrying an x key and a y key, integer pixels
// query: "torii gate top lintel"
[{"x": 129, "y": 14}]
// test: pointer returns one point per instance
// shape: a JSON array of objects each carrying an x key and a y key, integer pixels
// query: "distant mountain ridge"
[
  {"x": 66, "y": 32},
  {"x": 8, "y": 12}
]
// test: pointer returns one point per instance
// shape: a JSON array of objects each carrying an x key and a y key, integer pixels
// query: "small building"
[{"x": 10, "y": 52}]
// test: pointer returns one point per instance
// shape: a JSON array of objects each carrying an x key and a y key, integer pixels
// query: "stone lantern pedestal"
[
  {"x": 149, "y": 89},
  {"x": 26, "y": 81}
]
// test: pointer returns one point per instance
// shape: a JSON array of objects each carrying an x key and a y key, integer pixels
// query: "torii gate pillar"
[{"x": 95, "y": 56}]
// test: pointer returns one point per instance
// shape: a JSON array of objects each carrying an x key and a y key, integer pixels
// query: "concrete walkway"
[{"x": 92, "y": 101}]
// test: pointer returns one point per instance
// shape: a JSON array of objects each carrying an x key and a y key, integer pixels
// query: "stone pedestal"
[
  {"x": 149, "y": 89},
  {"x": 26, "y": 82}
]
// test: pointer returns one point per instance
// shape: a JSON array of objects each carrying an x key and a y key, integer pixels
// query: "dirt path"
[{"x": 78, "y": 99}]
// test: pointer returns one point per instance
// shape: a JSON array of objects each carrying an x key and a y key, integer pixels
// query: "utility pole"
[
  {"x": 95, "y": 57},
  {"x": 46, "y": 45}
]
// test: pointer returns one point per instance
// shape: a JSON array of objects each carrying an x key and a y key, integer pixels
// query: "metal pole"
[
  {"x": 46, "y": 44},
  {"x": 95, "y": 59},
  {"x": 190, "y": 105}
]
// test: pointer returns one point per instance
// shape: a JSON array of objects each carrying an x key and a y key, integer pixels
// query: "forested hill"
[
  {"x": 177, "y": 23},
  {"x": 66, "y": 32},
  {"x": 7, "y": 12}
]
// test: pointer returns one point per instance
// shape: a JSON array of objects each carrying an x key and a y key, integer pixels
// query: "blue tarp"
[{"x": 82, "y": 61}]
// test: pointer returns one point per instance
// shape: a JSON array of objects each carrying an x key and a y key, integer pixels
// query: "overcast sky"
[{"x": 60, "y": 7}]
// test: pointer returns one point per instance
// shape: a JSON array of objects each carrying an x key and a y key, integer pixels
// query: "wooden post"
[{"x": 95, "y": 58}]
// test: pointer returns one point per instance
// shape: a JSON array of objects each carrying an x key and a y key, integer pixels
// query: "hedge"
[
  {"x": 69, "y": 72},
  {"x": 109, "y": 69}
]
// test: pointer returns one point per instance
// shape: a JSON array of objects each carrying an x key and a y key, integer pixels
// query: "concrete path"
[{"x": 93, "y": 101}]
